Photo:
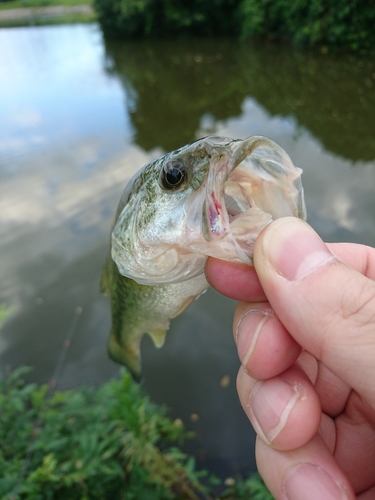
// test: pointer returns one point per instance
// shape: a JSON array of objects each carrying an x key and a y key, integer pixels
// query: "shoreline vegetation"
[
  {"x": 98, "y": 443},
  {"x": 343, "y": 25},
  {"x": 110, "y": 442},
  {"x": 16, "y": 13}
]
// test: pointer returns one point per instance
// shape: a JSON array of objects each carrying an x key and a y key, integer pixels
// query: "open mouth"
[
  {"x": 245, "y": 219},
  {"x": 237, "y": 194},
  {"x": 233, "y": 208},
  {"x": 260, "y": 184}
]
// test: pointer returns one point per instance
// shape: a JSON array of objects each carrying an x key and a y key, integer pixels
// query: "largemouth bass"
[{"x": 209, "y": 198}]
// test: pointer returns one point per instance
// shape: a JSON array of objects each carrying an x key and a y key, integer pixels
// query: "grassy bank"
[
  {"x": 41, "y": 12},
  {"x": 22, "y": 4},
  {"x": 97, "y": 444}
]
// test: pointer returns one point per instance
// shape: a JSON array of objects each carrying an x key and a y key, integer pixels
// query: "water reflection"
[
  {"x": 77, "y": 124},
  {"x": 173, "y": 85}
]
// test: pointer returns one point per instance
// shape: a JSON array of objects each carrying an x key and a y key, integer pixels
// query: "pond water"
[{"x": 79, "y": 115}]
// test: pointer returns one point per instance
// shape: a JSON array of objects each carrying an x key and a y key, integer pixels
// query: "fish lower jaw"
[
  {"x": 231, "y": 232},
  {"x": 220, "y": 242}
]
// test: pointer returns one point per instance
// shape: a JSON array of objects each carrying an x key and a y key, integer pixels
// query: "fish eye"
[{"x": 173, "y": 175}]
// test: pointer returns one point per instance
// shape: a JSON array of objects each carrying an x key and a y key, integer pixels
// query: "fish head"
[{"x": 210, "y": 198}]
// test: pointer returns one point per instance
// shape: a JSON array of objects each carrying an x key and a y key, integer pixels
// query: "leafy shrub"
[
  {"x": 86, "y": 444},
  {"x": 342, "y": 23},
  {"x": 132, "y": 18}
]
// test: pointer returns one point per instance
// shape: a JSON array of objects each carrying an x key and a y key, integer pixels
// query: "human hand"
[{"x": 305, "y": 335}]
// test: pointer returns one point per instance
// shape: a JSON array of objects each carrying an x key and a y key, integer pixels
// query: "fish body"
[
  {"x": 138, "y": 309},
  {"x": 209, "y": 198}
]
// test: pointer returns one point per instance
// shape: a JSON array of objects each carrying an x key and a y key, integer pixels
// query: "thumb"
[{"x": 328, "y": 307}]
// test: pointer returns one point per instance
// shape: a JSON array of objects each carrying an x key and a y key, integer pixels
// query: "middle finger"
[{"x": 264, "y": 346}]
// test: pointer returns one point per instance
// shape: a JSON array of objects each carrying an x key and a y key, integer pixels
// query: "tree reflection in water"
[{"x": 172, "y": 86}]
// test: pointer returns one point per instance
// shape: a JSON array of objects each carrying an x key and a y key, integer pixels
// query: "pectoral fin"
[
  {"x": 184, "y": 305},
  {"x": 128, "y": 353},
  {"x": 158, "y": 335},
  {"x": 124, "y": 344},
  {"x": 138, "y": 309}
]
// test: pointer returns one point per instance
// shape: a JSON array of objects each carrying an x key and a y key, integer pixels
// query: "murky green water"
[{"x": 80, "y": 115}]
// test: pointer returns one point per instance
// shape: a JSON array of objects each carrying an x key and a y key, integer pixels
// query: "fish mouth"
[{"x": 249, "y": 186}]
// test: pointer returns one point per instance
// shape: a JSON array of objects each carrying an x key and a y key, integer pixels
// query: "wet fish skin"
[
  {"x": 138, "y": 309},
  {"x": 163, "y": 234}
]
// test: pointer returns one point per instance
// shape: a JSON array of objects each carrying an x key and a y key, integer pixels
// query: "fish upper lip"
[
  {"x": 226, "y": 203},
  {"x": 221, "y": 208},
  {"x": 219, "y": 214},
  {"x": 241, "y": 151}
]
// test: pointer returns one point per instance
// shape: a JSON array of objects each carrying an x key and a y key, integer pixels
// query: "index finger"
[
  {"x": 237, "y": 281},
  {"x": 241, "y": 282}
]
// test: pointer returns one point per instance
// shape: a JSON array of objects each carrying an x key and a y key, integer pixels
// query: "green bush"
[
  {"x": 135, "y": 18},
  {"x": 98, "y": 444},
  {"x": 342, "y": 23}
]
